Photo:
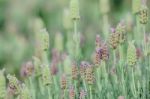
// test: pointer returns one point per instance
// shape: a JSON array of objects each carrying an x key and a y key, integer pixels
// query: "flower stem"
[
  {"x": 105, "y": 25},
  {"x": 32, "y": 88},
  {"x": 76, "y": 40},
  {"x": 133, "y": 87},
  {"x": 114, "y": 53},
  {"x": 41, "y": 86},
  {"x": 91, "y": 97},
  {"x": 49, "y": 92},
  {"x": 84, "y": 85},
  {"x": 98, "y": 77}
]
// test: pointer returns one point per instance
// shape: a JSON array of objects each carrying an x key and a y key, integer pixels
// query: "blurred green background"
[{"x": 18, "y": 24}]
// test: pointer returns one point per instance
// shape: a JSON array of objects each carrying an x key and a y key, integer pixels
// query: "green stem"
[
  {"x": 114, "y": 53},
  {"x": 134, "y": 89},
  {"x": 75, "y": 27},
  {"x": 121, "y": 53},
  {"x": 44, "y": 57},
  {"x": 64, "y": 93},
  {"x": 91, "y": 97},
  {"x": 56, "y": 86},
  {"x": 137, "y": 34},
  {"x": 144, "y": 31},
  {"x": 77, "y": 41},
  {"x": 41, "y": 86},
  {"x": 55, "y": 82},
  {"x": 75, "y": 38},
  {"x": 144, "y": 88},
  {"x": 76, "y": 91},
  {"x": 32, "y": 88},
  {"x": 144, "y": 41},
  {"x": 105, "y": 25},
  {"x": 49, "y": 92},
  {"x": 104, "y": 73},
  {"x": 98, "y": 77},
  {"x": 84, "y": 85},
  {"x": 123, "y": 81}
]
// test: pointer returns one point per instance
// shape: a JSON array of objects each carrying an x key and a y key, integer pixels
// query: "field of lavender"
[{"x": 74, "y": 49}]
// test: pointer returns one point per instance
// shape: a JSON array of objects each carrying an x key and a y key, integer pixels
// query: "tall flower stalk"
[
  {"x": 74, "y": 11},
  {"x": 104, "y": 9}
]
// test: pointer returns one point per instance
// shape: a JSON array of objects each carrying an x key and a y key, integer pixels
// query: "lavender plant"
[{"x": 119, "y": 68}]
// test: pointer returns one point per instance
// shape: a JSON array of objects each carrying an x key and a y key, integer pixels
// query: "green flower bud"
[
  {"x": 131, "y": 54},
  {"x": 63, "y": 82},
  {"x": 38, "y": 24},
  {"x": 37, "y": 66},
  {"x": 2, "y": 84},
  {"x": 67, "y": 64},
  {"x": 74, "y": 10},
  {"x": 59, "y": 42},
  {"x": 67, "y": 20},
  {"x": 143, "y": 15},
  {"x": 104, "y": 6},
  {"x": 121, "y": 30},
  {"x": 136, "y": 4},
  {"x": 25, "y": 93},
  {"x": 14, "y": 84},
  {"x": 46, "y": 76},
  {"x": 44, "y": 36}
]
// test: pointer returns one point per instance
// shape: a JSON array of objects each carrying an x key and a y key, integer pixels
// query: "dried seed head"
[
  {"x": 89, "y": 75},
  {"x": 37, "y": 66},
  {"x": 74, "y": 71},
  {"x": 46, "y": 76},
  {"x": 25, "y": 93},
  {"x": 44, "y": 42},
  {"x": 131, "y": 54},
  {"x": 82, "y": 94},
  {"x": 74, "y": 10},
  {"x": 96, "y": 58},
  {"x": 136, "y": 4},
  {"x": 63, "y": 82},
  {"x": 143, "y": 14},
  {"x": 2, "y": 84},
  {"x": 103, "y": 52},
  {"x": 104, "y": 6},
  {"x": 121, "y": 31},
  {"x": 27, "y": 69},
  {"x": 83, "y": 66},
  {"x": 71, "y": 92},
  {"x": 14, "y": 85},
  {"x": 114, "y": 39}
]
